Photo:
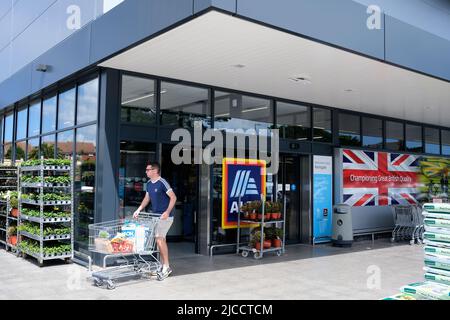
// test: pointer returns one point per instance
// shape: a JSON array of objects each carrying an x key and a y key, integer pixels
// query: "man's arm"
[
  {"x": 173, "y": 200},
  {"x": 144, "y": 203}
]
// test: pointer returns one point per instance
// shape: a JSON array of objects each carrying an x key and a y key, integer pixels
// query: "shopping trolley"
[
  {"x": 133, "y": 241},
  {"x": 408, "y": 224}
]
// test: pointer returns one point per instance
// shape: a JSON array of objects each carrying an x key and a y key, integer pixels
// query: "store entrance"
[
  {"x": 183, "y": 179},
  {"x": 292, "y": 184}
]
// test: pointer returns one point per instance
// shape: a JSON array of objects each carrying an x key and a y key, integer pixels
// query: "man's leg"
[{"x": 163, "y": 251}]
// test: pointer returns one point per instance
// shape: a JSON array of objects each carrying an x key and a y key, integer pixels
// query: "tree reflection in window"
[{"x": 84, "y": 184}]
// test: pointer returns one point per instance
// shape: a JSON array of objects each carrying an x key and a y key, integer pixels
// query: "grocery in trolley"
[{"x": 133, "y": 241}]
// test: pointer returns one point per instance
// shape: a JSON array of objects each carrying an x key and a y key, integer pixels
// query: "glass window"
[
  {"x": 445, "y": 135},
  {"x": 395, "y": 137},
  {"x": 84, "y": 184},
  {"x": 138, "y": 100},
  {"x": 7, "y": 151},
  {"x": 34, "y": 119},
  {"x": 49, "y": 115},
  {"x": 20, "y": 152},
  {"x": 66, "y": 109},
  {"x": 322, "y": 125},
  {"x": 235, "y": 111},
  {"x": 48, "y": 146},
  {"x": 372, "y": 130},
  {"x": 33, "y": 149},
  {"x": 65, "y": 145},
  {"x": 294, "y": 121},
  {"x": 432, "y": 141},
  {"x": 182, "y": 105},
  {"x": 349, "y": 130},
  {"x": 87, "y": 105},
  {"x": 134, "y": 157},
  {"x": 1, "y": 129},
  {"x": 414, "y": 138},
  {"x": 9, "y": 125},
  {"x": 22, "y": 123}
]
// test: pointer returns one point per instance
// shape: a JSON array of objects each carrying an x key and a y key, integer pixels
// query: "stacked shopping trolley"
[
  {"x": 408, "y": 224},
  {"x": 437, "y": 257}
]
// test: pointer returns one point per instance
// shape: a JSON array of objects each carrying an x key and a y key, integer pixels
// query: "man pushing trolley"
[{"x": 135, "y": 241}]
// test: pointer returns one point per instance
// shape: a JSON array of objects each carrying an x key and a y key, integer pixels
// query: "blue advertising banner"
[{"x": 322, "y": 198}]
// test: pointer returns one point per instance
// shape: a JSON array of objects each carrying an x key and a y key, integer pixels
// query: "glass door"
[
  {"x": 288, "y": 182},
  {"x": 134, "y": 157}
]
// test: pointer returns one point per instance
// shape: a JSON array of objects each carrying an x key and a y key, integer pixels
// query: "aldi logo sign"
[{"x": 244, "y": 179}]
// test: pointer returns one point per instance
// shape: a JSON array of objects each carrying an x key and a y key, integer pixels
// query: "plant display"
[
  {"x": 61, "y": 179},
  {"x": 56, "y": 213},
  {"x": 47, "y": 162},
  {"x": 53, "y": 249},
  {"x": 53, "y": 196},
  {"x": 48, "y": 231}
]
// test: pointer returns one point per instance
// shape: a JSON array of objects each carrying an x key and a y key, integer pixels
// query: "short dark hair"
[{"x": 155, "y": 165}]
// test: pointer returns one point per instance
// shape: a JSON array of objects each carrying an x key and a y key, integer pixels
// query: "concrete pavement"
[{"x": 366, "y": 271}]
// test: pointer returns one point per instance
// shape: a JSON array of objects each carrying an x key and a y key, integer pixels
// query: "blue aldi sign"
[{"x": 244, "y": 178}]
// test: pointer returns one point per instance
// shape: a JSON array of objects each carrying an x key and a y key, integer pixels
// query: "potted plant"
[
  {"x": 12, "y": 235},
  {"x": 277, "y": 234},
  {"x": 14, "y": 203},
  {"x": 258, "y": 209},
  {"x": 256, "y": 239},
  {"x": 267, "y": 210},
  {"x": 243, "y": 211},
  {"x": 102, "y": 243},
  {"x": 252, "y": 210},
  {"x": 276, "y": 210}
]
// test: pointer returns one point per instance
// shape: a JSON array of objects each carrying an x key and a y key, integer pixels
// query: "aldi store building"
[{"x": 366, "y": 105}]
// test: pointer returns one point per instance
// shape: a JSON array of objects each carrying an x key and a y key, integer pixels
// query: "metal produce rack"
[
  {"x": 7, "y": 173},
  {"x": 244, "y": 250},
  {"x": 42, "y": 188}
]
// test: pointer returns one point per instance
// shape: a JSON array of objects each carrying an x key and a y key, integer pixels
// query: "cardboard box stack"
[{"x": 437, "y": 257}]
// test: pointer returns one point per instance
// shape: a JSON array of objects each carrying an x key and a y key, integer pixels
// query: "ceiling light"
[
  {"x": 348, "y": 90},
  {"x": 142, "y": 97},
  {"x": 254, "y": 109},
  {"x": 238, "y": 66}
]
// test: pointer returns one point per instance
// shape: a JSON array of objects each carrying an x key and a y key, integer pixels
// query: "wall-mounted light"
[{"x": 42, "y": 67}]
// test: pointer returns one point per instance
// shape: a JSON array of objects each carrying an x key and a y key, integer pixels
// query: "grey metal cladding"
[
  {"x": 16, "y": 87},
  {"x": 66, "y": 58},
  {"x": 342, "y": 23},
  {"x": 417, "y": 49},
  {"x": 134, "y": 21}
]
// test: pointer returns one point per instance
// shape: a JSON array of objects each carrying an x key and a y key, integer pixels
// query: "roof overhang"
[{"x": 225, "y": 51}]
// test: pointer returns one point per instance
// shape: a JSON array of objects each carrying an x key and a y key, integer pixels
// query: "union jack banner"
[{"x": 379, "y": 178}]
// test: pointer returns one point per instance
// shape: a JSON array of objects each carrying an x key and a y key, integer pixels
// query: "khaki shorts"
[{"x": 163, "y": 227}]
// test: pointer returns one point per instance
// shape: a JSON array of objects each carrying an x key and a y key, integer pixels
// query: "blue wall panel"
[
  {"x": 229, "y": 5},
  {"x": 417, "y": 49},
  {"x": 200, "y": 5},
  {"x": 66, "y": 58},
  {"x": 342, "y": 23},
  {"x": 16, "y": 88},
  {"x": 132, "y": 22}
]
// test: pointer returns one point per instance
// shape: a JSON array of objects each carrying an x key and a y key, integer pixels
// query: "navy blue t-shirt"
[{"x": 157, "y": 191}]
